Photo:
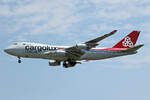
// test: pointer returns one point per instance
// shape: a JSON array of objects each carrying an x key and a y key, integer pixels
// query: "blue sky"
[{"x": 69, "y": 22}]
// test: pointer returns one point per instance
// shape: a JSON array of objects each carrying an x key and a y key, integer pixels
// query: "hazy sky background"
[{"x": 67, "y": 22}]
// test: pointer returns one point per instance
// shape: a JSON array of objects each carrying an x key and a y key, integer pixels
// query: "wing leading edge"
[
  {"x": 96, "y": 40},
  {"x": 76, "y": 51}
]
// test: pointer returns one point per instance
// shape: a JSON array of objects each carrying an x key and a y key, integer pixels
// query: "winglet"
[{"x": 113, "y": 32}]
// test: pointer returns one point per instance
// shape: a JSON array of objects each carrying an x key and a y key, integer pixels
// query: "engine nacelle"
[
  {"x": 82, "y": 46},
  {"x": 55, "y": 63}
]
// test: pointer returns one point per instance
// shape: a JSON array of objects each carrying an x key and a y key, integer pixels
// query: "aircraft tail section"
[
  {"x": 128, "y": 41},
  {"x": 135, "y": 48}
]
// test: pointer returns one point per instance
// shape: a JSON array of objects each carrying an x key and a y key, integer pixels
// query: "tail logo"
[{"x": 127, "y": 42}]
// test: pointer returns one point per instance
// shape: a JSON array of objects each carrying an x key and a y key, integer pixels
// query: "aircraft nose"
[
  {"x": 7, "y": 50},
  {"x": 10, "y": 50}
]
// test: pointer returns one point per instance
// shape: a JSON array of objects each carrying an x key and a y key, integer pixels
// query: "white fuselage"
[{"x": 36, "y": 50}]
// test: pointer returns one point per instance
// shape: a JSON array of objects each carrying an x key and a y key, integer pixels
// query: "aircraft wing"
[
  {"x": 94, "y": 41},
  {"x": 76, "y": 51}
]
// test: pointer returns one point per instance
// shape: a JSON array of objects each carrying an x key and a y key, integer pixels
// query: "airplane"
[{"x": 69, "y": 56}]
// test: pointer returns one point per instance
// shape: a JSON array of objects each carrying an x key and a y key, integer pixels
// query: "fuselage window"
[{"x": 15, "y": 43}]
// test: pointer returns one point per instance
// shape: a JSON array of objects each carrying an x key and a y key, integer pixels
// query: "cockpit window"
[
  {"x": 24, "y": 44},
  {"x": 15, "y": 43}
]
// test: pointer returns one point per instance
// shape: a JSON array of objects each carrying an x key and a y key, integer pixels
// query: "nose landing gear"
[{"x": 19, "y": 60}]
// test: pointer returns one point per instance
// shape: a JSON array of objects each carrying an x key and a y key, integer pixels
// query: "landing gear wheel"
[
  {"x": 68, "y": 63},
  {"x": 65, "y": 65},
  {"x": 19, "y": 60}
]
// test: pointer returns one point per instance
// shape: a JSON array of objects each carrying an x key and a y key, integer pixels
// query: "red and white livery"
[{"x": 72, "y": 55}]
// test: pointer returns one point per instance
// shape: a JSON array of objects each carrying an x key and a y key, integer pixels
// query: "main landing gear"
[
  {"x": 19, "y": 60},
  {"x": 69, "y": 63}
]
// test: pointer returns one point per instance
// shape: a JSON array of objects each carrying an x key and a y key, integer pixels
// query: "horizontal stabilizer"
[{"x": 133, "y": 48}]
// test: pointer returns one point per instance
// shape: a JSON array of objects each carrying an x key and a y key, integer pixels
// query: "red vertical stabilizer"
[{"x": 128, "y": 41}]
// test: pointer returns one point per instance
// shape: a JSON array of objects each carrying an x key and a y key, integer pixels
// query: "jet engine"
[
  {"x": 86, "y": 45},
  {"x": 55, "y": 63},
  {"x": 81, "y": 46}
]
